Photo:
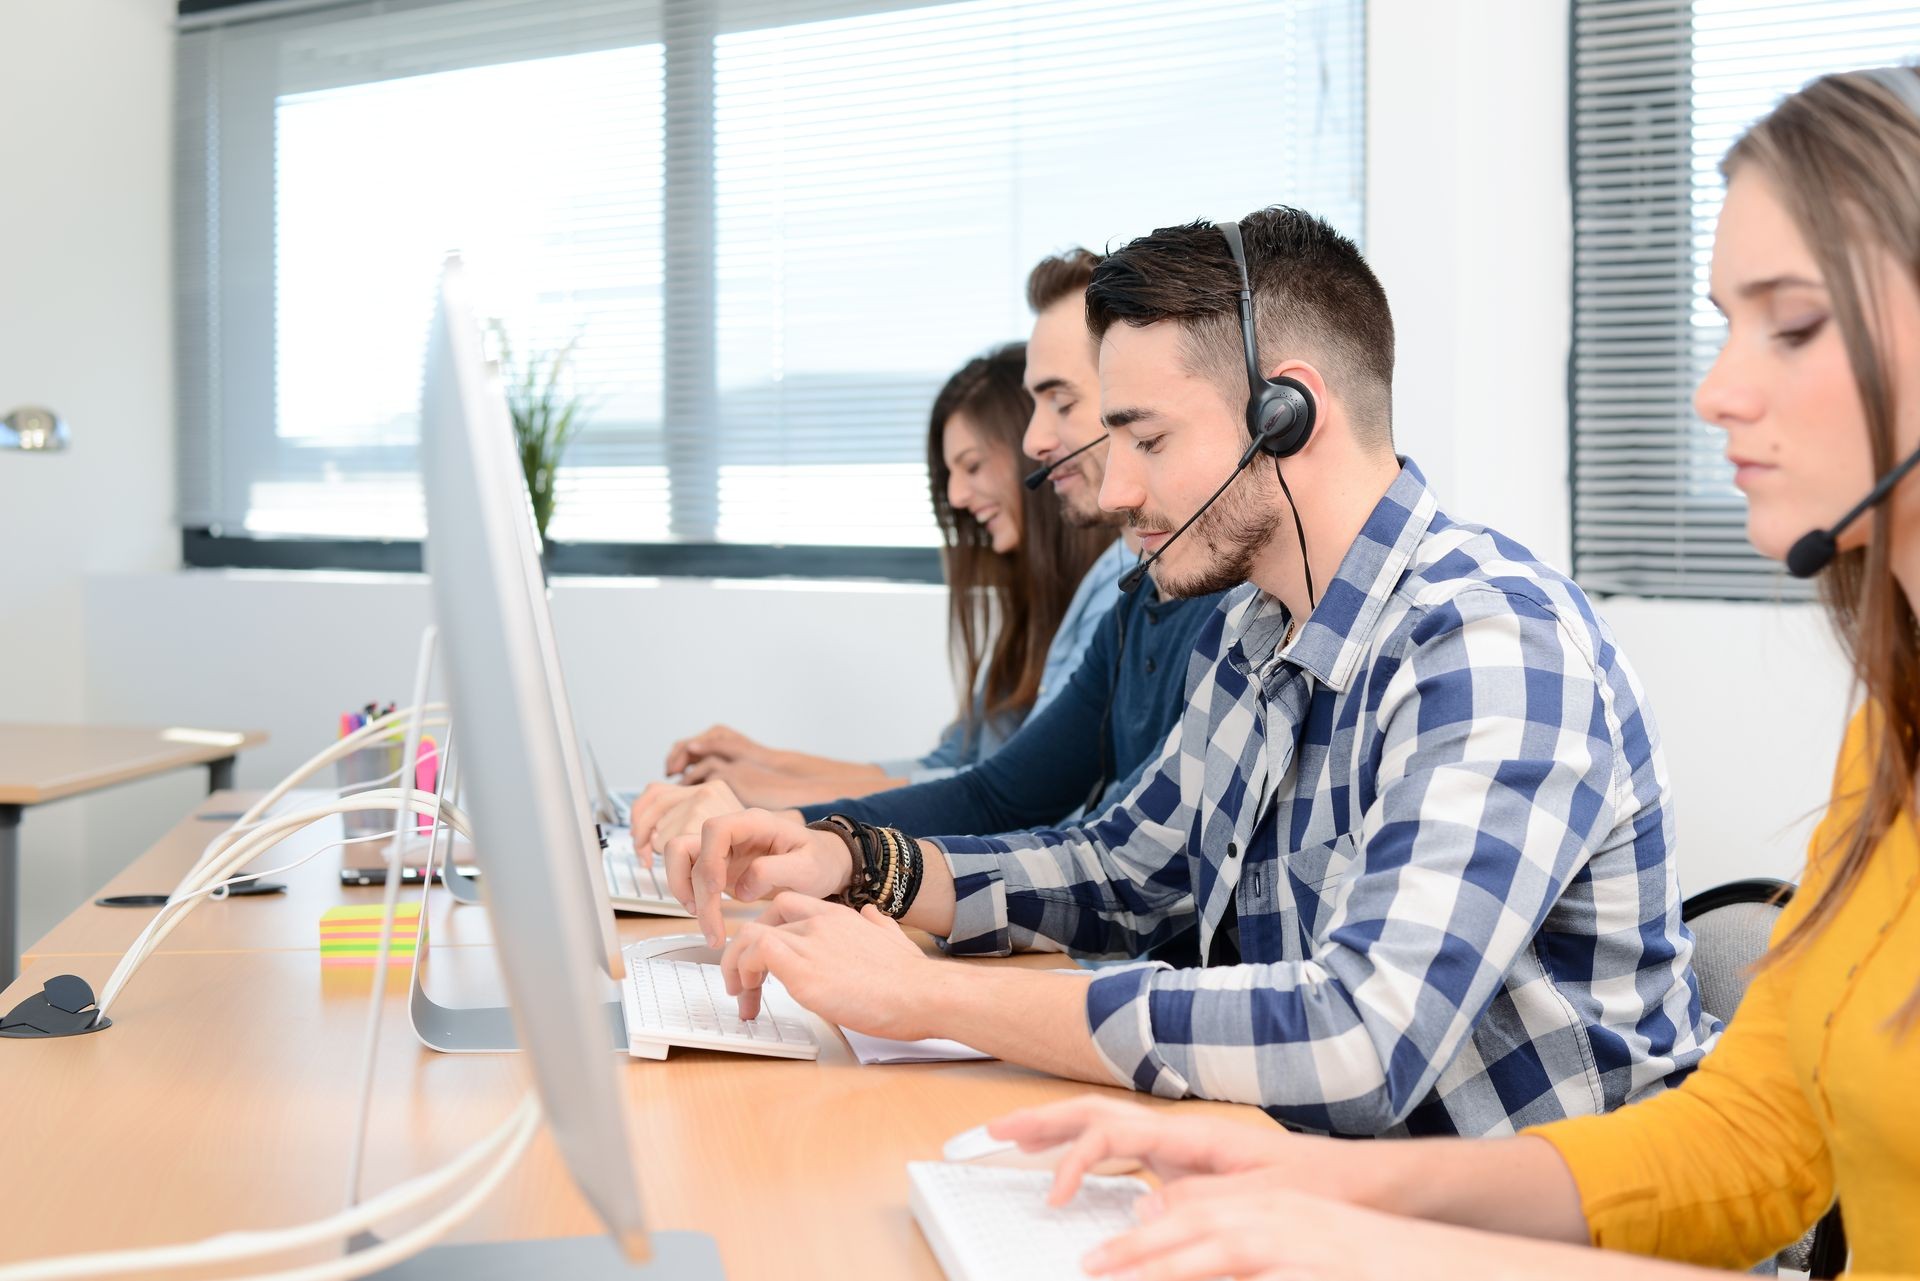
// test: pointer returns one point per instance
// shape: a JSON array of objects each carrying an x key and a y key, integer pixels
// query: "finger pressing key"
[
  {"x": 681, "y": 852},
  {"x": 709, "y": 879}
]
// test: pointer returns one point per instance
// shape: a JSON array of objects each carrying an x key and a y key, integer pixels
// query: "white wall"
[
  {"x": 1751, "y": 701},
  {"x": 846, "y": 669},
  {"x": 84, "y": 298},
  {"x": 849, "y": 669},
  {"x": 1467, "y": 225}
]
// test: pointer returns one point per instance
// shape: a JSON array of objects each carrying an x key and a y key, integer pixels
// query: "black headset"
[
  {"x": 1280, "y": 418},
  {"x": 1280, "y": 411}
]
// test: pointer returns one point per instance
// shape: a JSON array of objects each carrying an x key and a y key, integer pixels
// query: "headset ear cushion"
[{"x": 1286, "y": 413}]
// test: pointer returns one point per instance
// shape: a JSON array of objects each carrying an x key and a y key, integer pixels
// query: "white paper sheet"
[{"x": 878, "y": 1049}]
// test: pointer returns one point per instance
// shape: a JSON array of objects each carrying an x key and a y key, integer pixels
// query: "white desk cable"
[
  {"x": 367, "y": 784},
  {"x": 188, "y": 895},
  {"x": 433, "y": 716},
  {"x": 191, "y": 891},
  {"x": 503, "y": 1147},
  {"x": 505, "y": 1144},
  {"x": 370, "y": 1047}
]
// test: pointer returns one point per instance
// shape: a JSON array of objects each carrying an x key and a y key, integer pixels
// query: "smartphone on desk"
[{"x": 378, "y": 875}]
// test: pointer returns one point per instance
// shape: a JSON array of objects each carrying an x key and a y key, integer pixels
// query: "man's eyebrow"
[
  {"x": 1118, "y": 418},
  {"x": 1046, "y": 385}
]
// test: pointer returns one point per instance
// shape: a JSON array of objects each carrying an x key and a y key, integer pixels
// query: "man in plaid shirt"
[{"x": 1423, "y": 838}]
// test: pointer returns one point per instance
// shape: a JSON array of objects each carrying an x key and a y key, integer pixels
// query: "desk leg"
[
  {"x": 220, "y": 775},
  {"x": 9, "y": 892}
]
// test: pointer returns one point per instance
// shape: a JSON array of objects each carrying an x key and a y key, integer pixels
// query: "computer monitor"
[
  {"x": 464, "y": 424},
  {"x": 525, "y": 802}
]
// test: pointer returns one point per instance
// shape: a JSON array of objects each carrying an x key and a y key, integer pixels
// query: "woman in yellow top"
[{"x": 1814, "y": 1090}]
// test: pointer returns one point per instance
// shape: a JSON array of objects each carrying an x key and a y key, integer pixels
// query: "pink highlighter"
[{"x": 426, "y": 774}]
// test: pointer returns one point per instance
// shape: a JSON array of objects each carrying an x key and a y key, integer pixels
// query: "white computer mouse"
[
  {"x": 977, "y": 1147},
  {"x": 674, "y": 947}
]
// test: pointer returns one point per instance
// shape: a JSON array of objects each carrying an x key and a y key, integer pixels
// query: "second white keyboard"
[
  {"x": 685, "y": 1003},
  {"x": 990, "y": 1223},
  {"x": 626, "y": 878}
]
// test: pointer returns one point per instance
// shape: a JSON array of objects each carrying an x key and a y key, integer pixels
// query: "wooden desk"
[
  {"x": 221, "y": 1097},
  {"x": 41, "y": 763}
]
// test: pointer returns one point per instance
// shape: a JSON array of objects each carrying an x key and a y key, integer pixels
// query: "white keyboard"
[
  {"x": 991, "y": 1223},
  {"x": 633, "y": 887},
  {"x": 685, "y": 1003}
]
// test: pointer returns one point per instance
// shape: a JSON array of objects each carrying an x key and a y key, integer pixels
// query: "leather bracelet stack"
[{"x": 887, "y": 864}]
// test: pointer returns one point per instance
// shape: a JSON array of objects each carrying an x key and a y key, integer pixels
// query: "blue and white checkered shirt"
[{"x": 1436, "y": 828}]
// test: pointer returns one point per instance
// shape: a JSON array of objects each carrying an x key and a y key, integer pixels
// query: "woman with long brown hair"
[
  {"x": 1811, "y": 1093},
  {"x": 1012, "y": 566}
]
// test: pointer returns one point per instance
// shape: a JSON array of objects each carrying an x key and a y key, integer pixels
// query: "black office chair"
[{"x": 1731, "y": 924}]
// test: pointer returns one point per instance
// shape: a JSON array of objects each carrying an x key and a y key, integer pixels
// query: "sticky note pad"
[{"x": 350, "y": 935}]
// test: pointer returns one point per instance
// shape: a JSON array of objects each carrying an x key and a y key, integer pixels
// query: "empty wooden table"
[{"x": 41, "y": 763}]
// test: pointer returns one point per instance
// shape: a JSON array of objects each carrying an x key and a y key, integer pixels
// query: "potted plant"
[{"x": 545, "y": 421}]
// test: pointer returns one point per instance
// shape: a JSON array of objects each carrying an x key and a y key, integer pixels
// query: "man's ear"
[{"x": 1309, "y": 377}]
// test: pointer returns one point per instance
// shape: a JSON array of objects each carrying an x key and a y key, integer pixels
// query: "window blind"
[
  {"x": 1661, "y": 88},
  {"x": 769, "y": 228}
]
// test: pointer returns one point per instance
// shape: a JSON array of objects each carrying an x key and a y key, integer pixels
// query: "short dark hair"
[
  {"x": 1057, "y": 275},
  {"x": 1314, "y": 297}
]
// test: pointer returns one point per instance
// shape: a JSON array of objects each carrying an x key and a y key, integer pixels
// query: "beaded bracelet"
[
  {"x": 883, "y": 892},
  {"x": 887, "y": 864}
]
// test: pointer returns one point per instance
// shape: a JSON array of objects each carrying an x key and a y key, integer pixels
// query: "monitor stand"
[
  {"x": 469, "y": 1029},
  {"x": 464, "y": 888}
]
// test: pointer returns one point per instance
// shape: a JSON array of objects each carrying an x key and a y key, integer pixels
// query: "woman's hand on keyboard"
[
  {"x": 722, "y": 741},
  {"x": 1265, "y": 1235},
  {"x": 856, "y": 969},
  {"x": 753, "y": 855},
  {"x": 769, "y": 788},
  {"x": 1094, "y": 1129}
]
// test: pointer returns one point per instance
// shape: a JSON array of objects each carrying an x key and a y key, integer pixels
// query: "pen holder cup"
[{"x": 365, "y": 770}]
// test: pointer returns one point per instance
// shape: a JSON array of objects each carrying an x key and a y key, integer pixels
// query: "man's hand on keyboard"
[
  {"x": 857, "y": 969},
  {"x": 666, "y": 810},
  {"x": 753, "y": 855}
]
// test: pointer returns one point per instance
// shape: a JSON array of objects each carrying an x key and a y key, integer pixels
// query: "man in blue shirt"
[
  {"x": 1102, "y": 716},
  {"x": 1084, "y": 751},
  {"x": 1064, "y": 384},
  {"x": 1415, "y": 808}
]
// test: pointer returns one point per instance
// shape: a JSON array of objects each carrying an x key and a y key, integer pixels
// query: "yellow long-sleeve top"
[{"x": 1812, "y": 1091}]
